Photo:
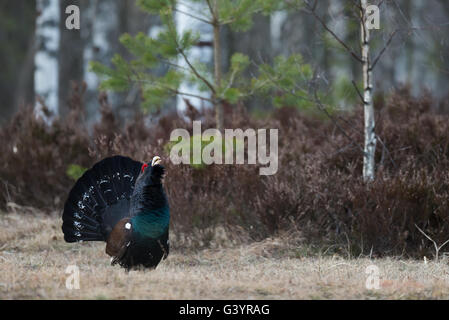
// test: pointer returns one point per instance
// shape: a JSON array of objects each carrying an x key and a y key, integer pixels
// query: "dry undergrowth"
[{"x": 34, "y": 258}]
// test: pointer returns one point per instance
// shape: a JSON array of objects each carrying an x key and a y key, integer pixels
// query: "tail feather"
[{"x": 99, "y": 199}]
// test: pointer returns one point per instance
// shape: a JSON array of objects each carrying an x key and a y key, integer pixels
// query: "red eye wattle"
[{"x": 144, "y": 166}]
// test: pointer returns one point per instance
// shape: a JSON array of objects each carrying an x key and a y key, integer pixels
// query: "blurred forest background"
[
  {"x": 42, "y": 57},
  {"x": 318, "y": 193}
]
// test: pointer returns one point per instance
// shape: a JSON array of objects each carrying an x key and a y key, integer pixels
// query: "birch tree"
[
  {"x": 369, "y": 19},
  {"x": 46, "y": 57},
  {"x": 370, "y": 135}
]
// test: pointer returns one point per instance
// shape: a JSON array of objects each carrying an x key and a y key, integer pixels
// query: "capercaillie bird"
[{"x": 121, "y": 201}]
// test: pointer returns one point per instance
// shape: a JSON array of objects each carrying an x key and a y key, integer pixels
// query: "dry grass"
[{"x": 34, "y": 257}]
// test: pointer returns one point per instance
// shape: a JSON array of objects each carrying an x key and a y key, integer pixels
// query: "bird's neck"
[
  {"x": 151, "y": 224},
  {"x": 146, "y": 198}
]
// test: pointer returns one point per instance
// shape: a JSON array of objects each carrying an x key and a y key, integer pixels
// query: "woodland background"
[
  {"x": 55, "y": 122},
  {"x": 34, "y": 40}
]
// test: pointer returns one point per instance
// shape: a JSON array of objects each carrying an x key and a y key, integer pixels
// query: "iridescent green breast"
[{"x": 152, "y": 224}]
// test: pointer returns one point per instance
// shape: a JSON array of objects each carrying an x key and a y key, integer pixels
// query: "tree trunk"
[
  {"x": 219, "y": 114},
  {"x": 202, "y": 53},
  {"x": 46, "y": 58},
  {"x": 370, "y": 135},
  {"x": 17, "y": 33},
  {"x": 71, "y": 57},
  {"x": 256, "y": 43}
]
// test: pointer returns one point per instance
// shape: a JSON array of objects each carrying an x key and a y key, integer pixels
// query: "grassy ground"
[{"x": 34, "y": 258}]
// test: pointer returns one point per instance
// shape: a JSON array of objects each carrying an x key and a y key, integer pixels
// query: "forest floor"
[{"x": 34, "y": 260}]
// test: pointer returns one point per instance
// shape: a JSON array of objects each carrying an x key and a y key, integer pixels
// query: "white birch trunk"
[
  {"x": 277, "y": 20},
  {"x": 103, "y": 22},
  {"x": 202, "y": 54},
  {"x": 46, "y": 58},
  {"x": 370, "y": 135}
]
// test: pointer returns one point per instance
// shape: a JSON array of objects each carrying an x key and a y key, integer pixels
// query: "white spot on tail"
[{"x": 128, "y": 225}]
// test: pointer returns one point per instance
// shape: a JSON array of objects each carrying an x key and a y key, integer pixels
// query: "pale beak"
[{"x": 156, "y": 160}]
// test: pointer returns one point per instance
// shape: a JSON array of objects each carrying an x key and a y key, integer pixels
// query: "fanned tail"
[{"x": 99, "y": 199}]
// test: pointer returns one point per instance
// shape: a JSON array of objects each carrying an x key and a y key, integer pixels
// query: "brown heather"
[{"x": 317, "y": 195}]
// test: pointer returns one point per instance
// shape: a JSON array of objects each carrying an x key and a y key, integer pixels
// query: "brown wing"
[{"x": 119, "y": 239}]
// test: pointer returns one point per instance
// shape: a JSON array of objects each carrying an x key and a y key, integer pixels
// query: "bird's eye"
[{"x": 143, "y": 167}]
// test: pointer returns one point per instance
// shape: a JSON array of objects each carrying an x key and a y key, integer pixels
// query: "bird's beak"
[{"x": 156, "y": 160}]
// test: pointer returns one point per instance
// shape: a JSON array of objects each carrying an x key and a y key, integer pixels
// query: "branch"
[
  {"x": 384, "y": 49},
  {"x": 235, "y": 18},
  {"x": 173, "y": 64},
  {"x": 324, "y": 110},
  {"x": 206, "y": 82},
  {"x": 231, "y": 80},
  {"x": 212, "y": 11},
  {"x": 192, "y": 16},
  {"x": 175, "y": 91},
  {"x": 388, "y": 151},
  {"x": 191, "y": 95},
  {"x": 437, "y": 248},
  {"x": 383, "y": 144},
  {"x": 187, "y": 5},
  {"x": 312, "y": 11},
  {"x": 358, "y": 92}
]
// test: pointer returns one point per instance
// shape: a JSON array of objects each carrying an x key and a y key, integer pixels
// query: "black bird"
[{"x": 121, "y": 201}]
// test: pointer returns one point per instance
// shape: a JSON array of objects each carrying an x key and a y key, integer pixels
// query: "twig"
[
  {"x": 358, "y": 92},
  {"x": 383, "y": 49},
  {"x": 312, "y": 11},
  {"x": 211, "y": 9},
  {"x": 324, "y": 110},
  {"x": 176, "y": 91},
  {"x": 192, "y": 95},
  {"x": 386, "y": 149},
  {"x": 206, "y": 82},
  {"x": 192, "y": 16},
  {"x": 437, "y": 248}
]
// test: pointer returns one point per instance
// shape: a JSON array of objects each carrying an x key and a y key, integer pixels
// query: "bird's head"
[{"x": 152, "y": 173}]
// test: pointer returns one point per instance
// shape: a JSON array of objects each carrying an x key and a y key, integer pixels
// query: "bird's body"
[{"x": 122, "y": 202}]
